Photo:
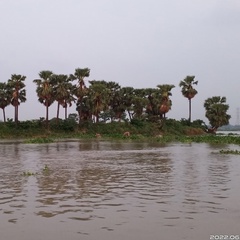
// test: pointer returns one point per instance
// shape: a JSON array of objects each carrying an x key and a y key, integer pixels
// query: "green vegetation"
[
  {"x": 46, "y": 169},
  {"x": 188, "y": 91},
  {"x": 228, "y": 151},
  {"x": 13, "y": 93},
  {"x": 39, "y": 140},
  {"x": 103, "y": 108},
  {"x": 169, "y": 131},
  {"x": 213, "y": 139},
  {"x": 36, "y": 132},
  {"x": 28, "y": 173},
  {"x": 216, "y": 112}
]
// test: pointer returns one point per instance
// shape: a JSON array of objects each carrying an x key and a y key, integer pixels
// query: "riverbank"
[{"x": 171, "y": 131}]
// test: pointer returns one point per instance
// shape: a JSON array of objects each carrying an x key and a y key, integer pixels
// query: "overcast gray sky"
[{"x": 138, "y": 43}]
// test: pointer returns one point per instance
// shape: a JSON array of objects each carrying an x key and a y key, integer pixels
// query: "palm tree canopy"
[
  {"x": 214, "y": 100},
  {"x": 165, "y": 102},
  {"x": 62, "y": 89},
  {"x": 5, "y": 95},
  {"x": 80, "y": 74},
  {"x": 187, "y": 87},
  {"x": 45, "y": 75},
  {"x": 216, "y": 111},
  {"x": 165, "y": 89},
  {"x": 45, "y": 87},
  {"x": 16, "y": 88}
]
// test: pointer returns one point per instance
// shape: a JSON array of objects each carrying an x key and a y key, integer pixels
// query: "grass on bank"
[{"x": 169, "y": 131}]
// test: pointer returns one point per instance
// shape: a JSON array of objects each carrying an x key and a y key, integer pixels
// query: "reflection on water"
[{"x": 118, "y": 190}]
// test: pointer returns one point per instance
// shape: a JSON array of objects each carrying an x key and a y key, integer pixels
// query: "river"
[{"x": 118, "y": 190}]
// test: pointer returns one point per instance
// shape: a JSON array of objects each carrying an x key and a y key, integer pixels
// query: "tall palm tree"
[
  {"x": 5, "y": 98},
  {"x": 80, "y": 88},
  {"x": 165, "y": 102},
  {"x": 188, "y": 91},
  {"x": 216, "y": 112},
  {"x": 45, "y": 90},
  {"x": 16, "y": 87},
  {"x": 79, "y": 75}
]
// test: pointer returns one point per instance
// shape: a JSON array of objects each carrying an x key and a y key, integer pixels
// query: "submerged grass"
[
  {"x": 39, "y": 140},
  {"x": 206, "y": 138}
]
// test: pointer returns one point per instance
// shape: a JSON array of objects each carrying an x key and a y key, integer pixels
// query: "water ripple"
[{"x": 118, "y": 188}]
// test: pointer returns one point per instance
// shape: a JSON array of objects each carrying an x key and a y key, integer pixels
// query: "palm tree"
[
  {"x": 99, "y": 97},
  {"x": 5, "y": 98},
  {"x": 165, "y": 102},
  {"x": 216, "y": 112},
  {"x": 18, "y": 93},
  {"x": 127, "y": 99},
  {"x": 80, "y": 87},
  {"x": 116, "y": 108},
  {"x": 86, "y": 107},
  {"x": 63, "y": 92},
  {"x": 188, "y": 91},
  {"x": 45, "y": 90},
  {"x": 80, "y": 74},
  {"x": 154, "y": 102},
  {"x": 139, "y": 103}
]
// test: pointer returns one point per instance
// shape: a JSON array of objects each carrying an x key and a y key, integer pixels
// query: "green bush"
[{"x": 68, "y": 125}]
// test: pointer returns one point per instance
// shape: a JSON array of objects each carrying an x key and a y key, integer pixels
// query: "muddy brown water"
[{"x": 118, "y": 190}]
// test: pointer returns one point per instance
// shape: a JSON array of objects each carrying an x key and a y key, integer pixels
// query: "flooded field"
[{"x": 118, "y": 190}]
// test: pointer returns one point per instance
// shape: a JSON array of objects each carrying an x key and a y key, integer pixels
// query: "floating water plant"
[
  {"x": 46, "y": 169},
  {"x": 28, "y": 173},
  {"x": 229, "y": 151}
]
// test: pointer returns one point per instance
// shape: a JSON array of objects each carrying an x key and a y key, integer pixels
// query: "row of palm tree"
[
  {"x": 100, "y": 98},
  {"x": 13, "y": 93}
]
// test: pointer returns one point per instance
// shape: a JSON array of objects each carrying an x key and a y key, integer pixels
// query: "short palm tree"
[
  {"x": 16, "y": 87},
  {"x": 165, "y": 102},
  {"x": 188, "y": 91},
  {"x": 216, "y": 112}
]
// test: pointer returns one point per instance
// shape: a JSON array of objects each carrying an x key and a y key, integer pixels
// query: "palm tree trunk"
[
  {"x": 16, "y": 114},
  {"x": 80, "y": 110},
  {"x": 66, "y": 112},
  {"x": 97, "y": 117},
  {"x": 4, "y": 115},
  {"x": 190, "y": 112},
  {"x": 47, "y": 125},
  {"x": 58, "y": 106},
  {"x": 130, "y": 116}
]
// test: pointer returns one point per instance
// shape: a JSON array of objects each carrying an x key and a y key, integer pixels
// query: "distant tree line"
[{"x": 107, "y": 100}]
